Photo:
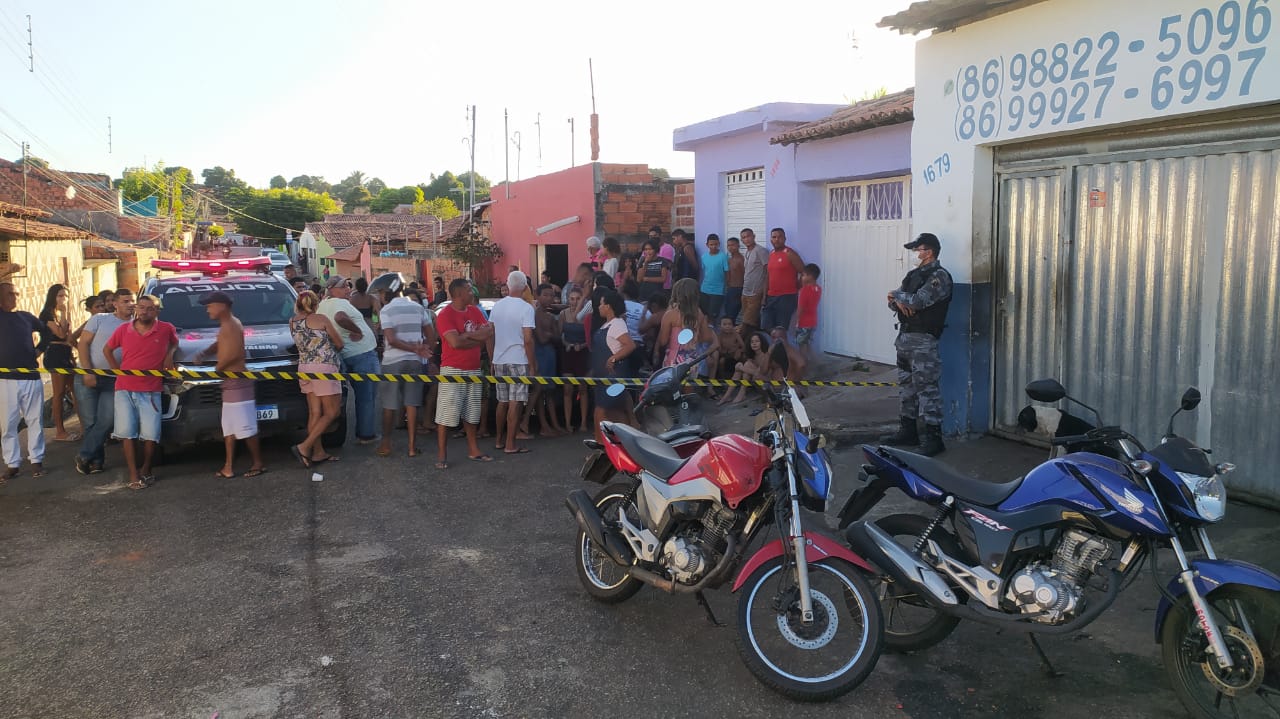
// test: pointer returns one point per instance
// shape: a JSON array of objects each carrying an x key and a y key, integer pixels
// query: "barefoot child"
[
  {"x": 732, "y": 350},
  {"x": 752, "y": 368}
]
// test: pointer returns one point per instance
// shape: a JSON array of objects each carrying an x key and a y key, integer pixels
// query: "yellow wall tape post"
[{"x": 460, "y": 379}]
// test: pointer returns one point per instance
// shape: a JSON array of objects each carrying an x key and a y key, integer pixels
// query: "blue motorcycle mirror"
[
  {"x": 615, "y": 390},
  {"x": 685, "y": 336},
  {"x": 1046, "y": 390}
]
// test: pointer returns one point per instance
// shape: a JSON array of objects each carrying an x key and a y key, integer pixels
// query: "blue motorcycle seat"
[{"x": 978, "y": 491}]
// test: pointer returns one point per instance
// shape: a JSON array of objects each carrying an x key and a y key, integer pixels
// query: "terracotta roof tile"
[
  {"x": 348, "y": 254},
  {"x": 343, "y": 231},
  {"x": 888, "y": 110},
  {"x": 8, "y": 208},
  {"x": 37, "y": 230}
]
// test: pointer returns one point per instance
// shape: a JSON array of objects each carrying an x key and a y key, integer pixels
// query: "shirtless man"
[{"x": 239, "y": 410}]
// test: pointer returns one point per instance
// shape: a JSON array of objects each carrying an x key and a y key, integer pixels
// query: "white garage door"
[
  {"x": 744, "y": 203},
  {"x": 867, "y": 223}
]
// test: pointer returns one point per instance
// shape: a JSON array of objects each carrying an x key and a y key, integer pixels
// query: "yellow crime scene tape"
[{"x": 427, "y": 378}]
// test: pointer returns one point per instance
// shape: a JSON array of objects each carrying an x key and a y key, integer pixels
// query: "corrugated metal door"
[
  {"x": 744, "y": 203},
  {"x": 867, "y": 223},
  {"x": 1132, "y": 328},
  {"x": 1160, "y": 272},
  {"x": 1028, "y": 276},
  {"x": 1245, "y": 397}
]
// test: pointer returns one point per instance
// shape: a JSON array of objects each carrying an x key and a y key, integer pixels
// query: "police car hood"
[{"x": 263, "y": 304}]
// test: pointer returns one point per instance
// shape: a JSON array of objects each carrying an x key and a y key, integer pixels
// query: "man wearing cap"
[
  {"x": 21, "y": 393},
  {"x": 239, "y": 407},
  {"x": 921, "y": 306},
  {"x": 359, "y": 353},
  {"x": 409, "y": 335}
]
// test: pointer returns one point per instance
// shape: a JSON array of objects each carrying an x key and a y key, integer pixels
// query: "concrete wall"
[{"x": 970, "y": 98}]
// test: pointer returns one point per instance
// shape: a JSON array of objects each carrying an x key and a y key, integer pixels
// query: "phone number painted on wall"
[{"x": 1209, "y": 54}]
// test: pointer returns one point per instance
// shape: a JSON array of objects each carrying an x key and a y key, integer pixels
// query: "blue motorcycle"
[{"x": 1048, "y": 552}]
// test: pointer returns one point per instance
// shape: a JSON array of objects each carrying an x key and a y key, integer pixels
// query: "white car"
[{"x": 279, "y": 261}]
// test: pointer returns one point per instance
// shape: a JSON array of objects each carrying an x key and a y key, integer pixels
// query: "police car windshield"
[{"x": 255, "y": 302}]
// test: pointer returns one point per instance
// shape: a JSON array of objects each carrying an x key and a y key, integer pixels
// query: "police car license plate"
[{"x": 269, "y": 411}]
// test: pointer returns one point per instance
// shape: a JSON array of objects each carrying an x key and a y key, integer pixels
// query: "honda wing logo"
[
  {"x": 1128, "y": 501},
  {"x": 985, "y": 521}
]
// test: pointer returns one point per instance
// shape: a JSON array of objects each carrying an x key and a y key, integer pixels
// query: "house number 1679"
[{"x": 937, "y": 169}]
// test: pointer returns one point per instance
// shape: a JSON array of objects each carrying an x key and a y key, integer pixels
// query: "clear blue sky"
[{"x": 325, "y": 87}]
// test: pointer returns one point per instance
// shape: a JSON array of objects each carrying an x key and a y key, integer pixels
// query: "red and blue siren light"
[{"x": 212, "y": 267}]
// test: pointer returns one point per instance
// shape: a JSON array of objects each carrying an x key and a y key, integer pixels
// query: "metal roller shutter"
[
  {"x": 744, "y": 203},
  {"x": 1139, "y": 265}
]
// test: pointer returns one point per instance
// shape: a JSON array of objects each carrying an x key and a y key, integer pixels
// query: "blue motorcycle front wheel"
[{"x": 1249, "y": 619}]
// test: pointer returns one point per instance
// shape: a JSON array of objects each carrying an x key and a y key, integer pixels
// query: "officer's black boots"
[
  {"x": 931, "y": 441},
  {"x": 906, "y": 435}
]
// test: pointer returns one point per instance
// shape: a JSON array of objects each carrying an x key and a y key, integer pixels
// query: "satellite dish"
[{"x": 71, "y": 193}]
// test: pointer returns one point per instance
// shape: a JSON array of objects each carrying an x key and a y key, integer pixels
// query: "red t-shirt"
[
  {"x": 807, "y": 304},
  {"x": 468, "y": 320},
  {"x": 142, "y": 351},
  {"x": 782, "y": 275}
]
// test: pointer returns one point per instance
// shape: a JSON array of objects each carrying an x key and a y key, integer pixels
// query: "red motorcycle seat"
[{"x": 655, "y": 456}]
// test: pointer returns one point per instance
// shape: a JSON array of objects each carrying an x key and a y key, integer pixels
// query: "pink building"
[{"x": 544, "y": 223}]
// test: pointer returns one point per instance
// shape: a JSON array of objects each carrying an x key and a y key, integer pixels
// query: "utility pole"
[
  {"x": 572, "y": 161},
  {"x": 472, "y": 203},
  {"x": 538, "y": 123},
  {"x": 108, "y": 134},
  {"x": 506, "y": 155},
  {"x": 26, "y": 163},
  {"x": 595, "y": 119},
  {"x": 31, "y": 53},
  {"x": 515, "y": 140}
]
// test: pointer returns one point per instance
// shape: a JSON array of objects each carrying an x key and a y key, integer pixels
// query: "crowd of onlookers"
[{"x": 620, "y": 315}]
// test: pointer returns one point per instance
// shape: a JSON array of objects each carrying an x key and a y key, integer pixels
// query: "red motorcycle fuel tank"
[{"x": 734, "y": 463}]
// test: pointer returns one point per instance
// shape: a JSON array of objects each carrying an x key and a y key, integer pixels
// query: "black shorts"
[{"x": 58, "y": 356}]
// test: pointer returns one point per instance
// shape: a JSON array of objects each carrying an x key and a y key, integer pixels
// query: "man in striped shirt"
[{"x": 408, "y": 334}]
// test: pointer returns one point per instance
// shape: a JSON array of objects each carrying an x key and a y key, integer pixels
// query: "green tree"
[
  {"x": 375, "y": 186},
  {"x": 442, "y": 186},
  {"x": 350, "y": 182},
  {"x": 278, "y": 182},
  {"x": 472, "y": 250},
  {"x": 34, "y": 161},
  {"x": 354, "y": 197},
  {"x": 268, "y": 212},
  {"x": 220, "y": 180},
  {"x": 315, "y": 183},
  {"x": 441, "y": 207},
  {"x": 482, "y": 185},
  {"x": 165, "y": 184},
  {"x": 660, "y": 173},
  {"x": 387, "y": 200},
  {"x": 216, "y": 232}
]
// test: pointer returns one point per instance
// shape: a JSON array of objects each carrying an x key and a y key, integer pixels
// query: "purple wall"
[{"x": 794, "y": 178}]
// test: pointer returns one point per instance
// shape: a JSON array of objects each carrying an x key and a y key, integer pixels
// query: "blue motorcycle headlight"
[{"x": 1209, "y": 495}]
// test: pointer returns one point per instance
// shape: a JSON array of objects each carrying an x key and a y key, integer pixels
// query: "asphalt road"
[{"x": 390, "y": 589}]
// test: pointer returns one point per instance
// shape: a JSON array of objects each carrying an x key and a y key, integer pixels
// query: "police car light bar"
[{"x": 211, "y": 266}]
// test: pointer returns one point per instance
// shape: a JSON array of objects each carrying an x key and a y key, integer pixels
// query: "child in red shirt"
[{"x": 807, "y": 308}]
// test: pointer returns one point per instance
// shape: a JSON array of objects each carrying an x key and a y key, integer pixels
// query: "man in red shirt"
[
  {"x": 145, "y": 343},
  {"x": 463, "y": 331},
  {"x": 782, "y": 282}
]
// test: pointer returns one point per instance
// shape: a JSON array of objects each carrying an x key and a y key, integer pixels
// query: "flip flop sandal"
[
  {"x": 38, "y": 473},
  {"x": 297, "y": 454},
  {"x": 254, "y": 473},
  {"x": 330, "y": 458},
  {"x": 220, "y": 475},
  {"x": 148, "y": 479},
  {"x": 522, "y": 450},
  {"x": 415, "y": 453},
  {"x": 137, "y": 485},
  {"x": 481, "y": 458},
  {"x": 442, "y": 465},
  {"x": 382, "y": 452}
]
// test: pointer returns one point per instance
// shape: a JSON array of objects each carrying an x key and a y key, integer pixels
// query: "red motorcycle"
[{"x": 809, "y": 625}]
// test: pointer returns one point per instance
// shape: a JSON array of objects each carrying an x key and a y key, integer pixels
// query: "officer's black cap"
[{"x": 926, "y": 239}]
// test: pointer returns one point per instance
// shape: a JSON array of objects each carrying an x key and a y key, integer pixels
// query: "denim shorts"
[{"x": 137, "y": 415}]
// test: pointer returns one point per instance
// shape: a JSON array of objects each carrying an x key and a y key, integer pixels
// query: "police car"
[{"x": 263, "y": 302}]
